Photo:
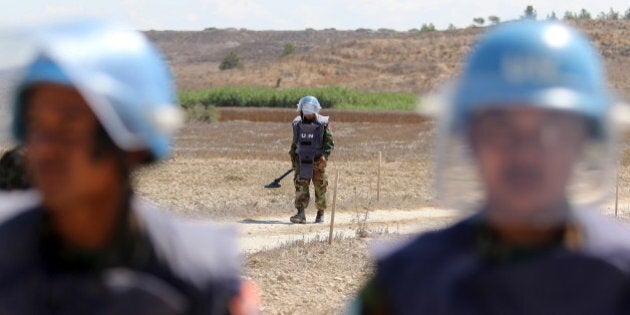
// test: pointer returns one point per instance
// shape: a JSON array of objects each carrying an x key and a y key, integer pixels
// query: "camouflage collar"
[{"x": 488, "y": 244}]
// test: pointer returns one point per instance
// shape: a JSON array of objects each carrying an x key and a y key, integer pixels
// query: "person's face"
[
  {"x": 309, "y": 116},
  {"x": 61, "y": 139},
  {"x": 525, "y": 156}
]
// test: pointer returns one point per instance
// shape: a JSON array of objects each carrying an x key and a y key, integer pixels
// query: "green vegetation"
[
  {"x": 230, "y": 61},
  {"x": 427, "y": 28},
  {"x": 200, "y": 112},
  {"x": 494, "y": 19},
  {"x": 288, "y": 49},
  {"x": 529, "y": 13},
  {"x": 584, "y": 15},
  {"x": 329, "y": 97},
  {"x": 479, "y": 21}
]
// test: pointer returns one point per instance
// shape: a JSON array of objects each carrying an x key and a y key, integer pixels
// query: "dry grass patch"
[{"x": 311, "y": 277}]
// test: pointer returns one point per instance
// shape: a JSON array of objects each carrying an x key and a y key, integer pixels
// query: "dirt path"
[{"x": 264, "y": 233}]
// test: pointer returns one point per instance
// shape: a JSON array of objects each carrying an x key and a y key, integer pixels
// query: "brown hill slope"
[{"x": 370, "y": 60}]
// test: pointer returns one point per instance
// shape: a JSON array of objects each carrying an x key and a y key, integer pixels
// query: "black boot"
[
  {"x": 299, "y": 217},
  {"x": 320, "y": 216}
]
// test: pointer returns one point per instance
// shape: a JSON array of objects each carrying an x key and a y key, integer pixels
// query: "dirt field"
[
  {"x": 367, "y": 60},
  {"x": 219, "y": 170}
]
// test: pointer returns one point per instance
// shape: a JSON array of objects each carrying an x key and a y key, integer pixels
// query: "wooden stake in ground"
[
  {"x": 332, "y": 214},
  {"x": 378, "y": 178}
]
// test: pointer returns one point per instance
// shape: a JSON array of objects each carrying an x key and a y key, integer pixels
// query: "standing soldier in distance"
[
  {"x": 311, "y": 146},
  {"x": 531, "y": 113},
  {"x": 95, "y": 103}
]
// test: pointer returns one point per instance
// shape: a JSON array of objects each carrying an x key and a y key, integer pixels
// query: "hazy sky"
[{"x": 289, "y": 14}]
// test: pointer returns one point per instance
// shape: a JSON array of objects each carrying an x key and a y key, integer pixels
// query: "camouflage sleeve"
[
  {"x": 369, "y": 301},
  {"x": 329, "y": 143}
]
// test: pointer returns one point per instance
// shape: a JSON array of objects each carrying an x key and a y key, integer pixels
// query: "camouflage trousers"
[{"x": 320, "y": 184}]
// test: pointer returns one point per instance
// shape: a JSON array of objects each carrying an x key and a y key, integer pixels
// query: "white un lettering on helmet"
[{"x": 524, "y": 68}]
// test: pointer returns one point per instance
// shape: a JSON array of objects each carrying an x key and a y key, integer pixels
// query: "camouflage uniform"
[
  {"x": 12, "y": 172},
  {"x": 320, "y": 180}
]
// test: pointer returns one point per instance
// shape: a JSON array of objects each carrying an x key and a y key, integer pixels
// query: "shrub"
[
  {"x": 230, "y": 61},
  {"x": 568, "y": 15},
  {"x": 335, "y": 97},
  {"x": 494, "y": 19},
  {"x": 529, "y": 13},
  {"x": 427, "y": 28},
  {"x": 584, "y": 15},
  {"x": 552, "y": 16},
  {"x": 288, "y": 49},
  {"x": 200, "y": 112},
  {"x": 479, "y": 21},
  {"x": 613, "y": 15}
]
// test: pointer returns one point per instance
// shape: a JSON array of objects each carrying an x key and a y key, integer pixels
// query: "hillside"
[{"x": 363, "y": 59}]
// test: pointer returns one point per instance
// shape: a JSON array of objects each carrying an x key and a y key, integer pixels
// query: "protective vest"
[
  {"x": 172, "y": 276},
  {"x": 309, "y": 141},
  {"x": 443, "y": 273}
]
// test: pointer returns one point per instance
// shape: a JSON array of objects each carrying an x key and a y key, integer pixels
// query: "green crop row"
[{"x": 329, "y": 97}]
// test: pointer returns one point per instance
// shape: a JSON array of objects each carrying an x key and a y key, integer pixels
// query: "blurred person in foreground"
[
  {"x": 310, "y": 149},
  {"x": 93, "y": 104},
  {"x": 530, "y": 113}
]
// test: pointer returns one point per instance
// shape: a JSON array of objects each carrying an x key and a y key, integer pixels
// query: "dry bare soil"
[
  {"x": 218, "y": 171},
  {"x": 362, "y": 59}
]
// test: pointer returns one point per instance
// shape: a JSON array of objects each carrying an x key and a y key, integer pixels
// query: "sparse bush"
[
  {"x": 584, "y": 15},
  {"x": 451, "y": 27},
  {"x": 363, "y": 30},
  {"x": 479, "y": 21},
  {"x": 230, "y": 61},
  {"x": 494, "y": 19},
  {"x": 529, "y": 13},
  {"x": 568, "y": 15},
  {"x": 203, "y": 113},
  {"x": 386, "y": 30},
  {"x": 210, "y": 29},
  {"x": 626, "y": 15},
  {"x": 288, "y": 49},
  {"x": 613, "y": 15},
  {"x": 552, "y": 16},
  {"x": 427, "y": 28},
  {"x": 414, "y": 30}
]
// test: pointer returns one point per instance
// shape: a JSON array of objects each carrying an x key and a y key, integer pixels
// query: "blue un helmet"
[
  {"x": 123, "y": 78},
  {"x": 541, "y": 64},
  {"x": 308, "y": 105},
  {"x": 527, "y": 64}
]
